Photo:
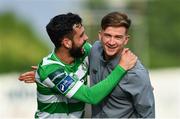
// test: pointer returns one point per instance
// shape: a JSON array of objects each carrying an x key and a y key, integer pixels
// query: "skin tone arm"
[{"x": 28, "y": 77}]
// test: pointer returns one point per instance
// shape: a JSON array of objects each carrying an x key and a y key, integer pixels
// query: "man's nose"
[
  {"x": 86, "y": 38},
  {"x": 111, "y": 41}
]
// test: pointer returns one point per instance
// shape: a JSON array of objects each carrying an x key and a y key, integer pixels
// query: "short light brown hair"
[{"x": 115, "y": 19}]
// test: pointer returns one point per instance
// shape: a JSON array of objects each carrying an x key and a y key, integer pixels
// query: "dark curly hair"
[{"x": 62, "y": 26}]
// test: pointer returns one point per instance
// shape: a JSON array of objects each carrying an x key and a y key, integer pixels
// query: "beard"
[{"x": 77, "y": 52}]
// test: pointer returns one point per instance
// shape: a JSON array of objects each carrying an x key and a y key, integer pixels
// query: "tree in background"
[
  {"x": 155, "y": 36},
  {"x": 164, "y": 37},
  {"x": 19, "y": 46}
]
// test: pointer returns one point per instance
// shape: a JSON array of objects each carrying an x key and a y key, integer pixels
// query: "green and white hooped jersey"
[{"x": 57, "y": 82}]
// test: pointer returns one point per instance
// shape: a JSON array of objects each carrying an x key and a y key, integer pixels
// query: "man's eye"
[
  {"x": 119, "y": 37},
  {"x": 107, "y": 36}
]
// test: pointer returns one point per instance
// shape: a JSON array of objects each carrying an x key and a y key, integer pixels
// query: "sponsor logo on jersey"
[{"x": 65, "y": 84}]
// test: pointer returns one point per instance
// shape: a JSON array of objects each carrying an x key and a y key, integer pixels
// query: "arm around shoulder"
[{"x": 96, "y": 93}]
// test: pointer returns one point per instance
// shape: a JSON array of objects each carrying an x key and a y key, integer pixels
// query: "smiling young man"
[
  {"x": 133, "y": 97},
  {"x": 61, "y": 76}
]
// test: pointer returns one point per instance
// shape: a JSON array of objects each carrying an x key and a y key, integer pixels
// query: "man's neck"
[{"x": 64, "y": 56}]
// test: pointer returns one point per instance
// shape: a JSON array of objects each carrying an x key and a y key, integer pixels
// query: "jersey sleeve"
[
  {"x": 96, "y": 93},
  {"x": 70, "y": 87},
  {"x": 62, "y": 82}
]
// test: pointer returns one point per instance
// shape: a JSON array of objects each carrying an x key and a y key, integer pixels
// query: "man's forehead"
[{"x": 115, "y": 30}]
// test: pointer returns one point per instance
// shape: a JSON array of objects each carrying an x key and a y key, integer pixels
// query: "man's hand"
[
  {"x": 28, "y": 77},
  {"x": 128, "y": 59}
]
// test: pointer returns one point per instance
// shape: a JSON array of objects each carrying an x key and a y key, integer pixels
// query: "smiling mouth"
[{"x": 110, "y": 47}]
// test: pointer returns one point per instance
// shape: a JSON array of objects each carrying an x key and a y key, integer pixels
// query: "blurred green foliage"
[
  {"x": 155, "y": 38},
  {"x": 96, "y": 4},
  {"x": 164, "y": 38},
  {"x": 158, "y": 47},
  {"x": 19, "y": 46}
]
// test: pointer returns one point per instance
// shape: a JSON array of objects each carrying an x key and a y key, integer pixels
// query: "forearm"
[{"x": 96, "y": 93}]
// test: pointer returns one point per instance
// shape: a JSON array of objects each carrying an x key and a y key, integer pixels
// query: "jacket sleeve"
[{"x": 139, "y": 87}]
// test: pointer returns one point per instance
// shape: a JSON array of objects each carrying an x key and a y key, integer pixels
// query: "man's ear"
[
  {"x": 67, "y": 43},
  {"x": 126, "y": 40},
  {"x": 100, "y": 35}
]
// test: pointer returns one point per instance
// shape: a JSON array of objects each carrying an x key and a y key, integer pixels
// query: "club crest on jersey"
[{"x": 65, "y": 84}]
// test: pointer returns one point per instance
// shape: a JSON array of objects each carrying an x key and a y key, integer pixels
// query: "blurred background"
[{"x": 154, "y": 37}]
